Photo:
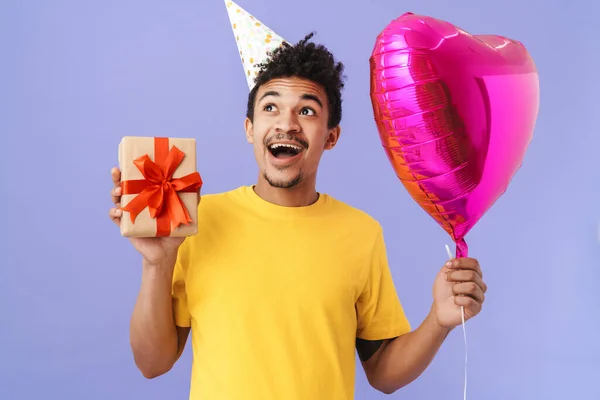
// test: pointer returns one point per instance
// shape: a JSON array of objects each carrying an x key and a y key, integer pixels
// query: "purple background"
[{"x": 75, "y": 76}]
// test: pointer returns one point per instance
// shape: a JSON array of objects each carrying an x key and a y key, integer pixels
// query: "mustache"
[{"x": 287, "y": 137}]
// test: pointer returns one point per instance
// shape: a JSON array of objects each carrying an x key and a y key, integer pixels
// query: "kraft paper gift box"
[{"x": 160, "y": 187}]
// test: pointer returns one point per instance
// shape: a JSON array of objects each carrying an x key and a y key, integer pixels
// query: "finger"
[
  {"x": 465, "y": 275},
  {"x": 471, "y": 306},
  {"x": 465, "y": 263},
  {"x": 469, "y": 289},
  {"x": 115, "y": 195},
  {"x": 115, "y": 192},
  {"x": 115, "y": 215},
  {"x": 115, "y": 174}
]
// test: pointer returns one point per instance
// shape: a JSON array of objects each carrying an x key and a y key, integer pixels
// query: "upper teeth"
[{"x": 291, "y": 146}]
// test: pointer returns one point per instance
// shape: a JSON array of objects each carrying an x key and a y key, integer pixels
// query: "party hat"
[{"x": 254, "y": 39}]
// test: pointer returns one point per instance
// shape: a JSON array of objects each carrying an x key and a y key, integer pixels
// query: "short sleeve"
[
  {"x": 179, "y": 296},
  {"x": 379, "y": 311}
]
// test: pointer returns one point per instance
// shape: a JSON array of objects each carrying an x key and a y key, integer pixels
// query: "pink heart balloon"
[{"x": 455, "y": 114}]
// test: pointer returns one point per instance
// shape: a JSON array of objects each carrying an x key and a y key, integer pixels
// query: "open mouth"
[{"x": 284, "y": 150}]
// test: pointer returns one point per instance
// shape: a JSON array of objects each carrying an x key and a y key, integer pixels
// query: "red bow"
[{"x": 158, "y": 191}]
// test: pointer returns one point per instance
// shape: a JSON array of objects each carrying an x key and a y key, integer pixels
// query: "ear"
[
  {"x": 249, "y": 127},
  {"x": 332, "y": 137}
]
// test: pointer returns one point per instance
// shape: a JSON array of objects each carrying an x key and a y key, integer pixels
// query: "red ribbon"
[{"x": 158, "y": 190}]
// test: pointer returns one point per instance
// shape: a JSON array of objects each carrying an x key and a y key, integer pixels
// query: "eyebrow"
[
  {"x": 313, "y": 98},
  {"x": 269, "y": 93},
  {"x": 305, "y": 96}
]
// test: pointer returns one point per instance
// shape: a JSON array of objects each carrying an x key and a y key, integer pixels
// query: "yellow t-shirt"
[{"x": 276, "y": 297}]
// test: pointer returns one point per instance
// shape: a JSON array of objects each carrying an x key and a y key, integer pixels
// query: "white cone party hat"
[{"x": 254, "y": 39}]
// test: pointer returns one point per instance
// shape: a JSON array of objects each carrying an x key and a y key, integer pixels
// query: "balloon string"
[{"x": 462, "y": 314}]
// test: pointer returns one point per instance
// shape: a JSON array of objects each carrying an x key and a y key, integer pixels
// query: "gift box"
[{"x": 160, "y": 187}]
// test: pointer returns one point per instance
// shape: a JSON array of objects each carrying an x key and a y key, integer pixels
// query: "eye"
[
  {"x": 307, "y": 111},
  {"x": 269, "y": 107}
]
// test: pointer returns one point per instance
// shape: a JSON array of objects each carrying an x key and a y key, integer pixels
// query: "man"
[{"x": 283, "y": 284}]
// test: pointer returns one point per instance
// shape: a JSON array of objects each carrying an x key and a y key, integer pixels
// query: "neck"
[{"x": 303, "y": 194}]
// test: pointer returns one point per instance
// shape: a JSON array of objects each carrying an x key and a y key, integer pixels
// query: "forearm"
[
  {"x": 405, "y": 358},
  {"x": 153, "y": 334}
]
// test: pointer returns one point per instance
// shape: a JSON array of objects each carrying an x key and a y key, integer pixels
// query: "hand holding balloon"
[{"x": 458, "y": 284}]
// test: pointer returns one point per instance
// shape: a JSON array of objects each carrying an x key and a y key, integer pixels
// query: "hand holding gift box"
[{"x": 160, "y": 187}]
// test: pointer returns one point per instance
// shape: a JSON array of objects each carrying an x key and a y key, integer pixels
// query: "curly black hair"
[{"x": 304, "y": 60}]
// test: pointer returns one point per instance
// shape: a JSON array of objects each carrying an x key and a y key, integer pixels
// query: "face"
[{"x": 289, "y": 132}]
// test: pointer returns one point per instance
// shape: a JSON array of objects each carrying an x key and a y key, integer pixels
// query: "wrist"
[
  {"x": 434, "y": 321},
  {"x": 160, "y": 267}
]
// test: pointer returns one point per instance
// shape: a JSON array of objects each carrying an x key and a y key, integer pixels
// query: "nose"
[{"x": 287, "y": 122}]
